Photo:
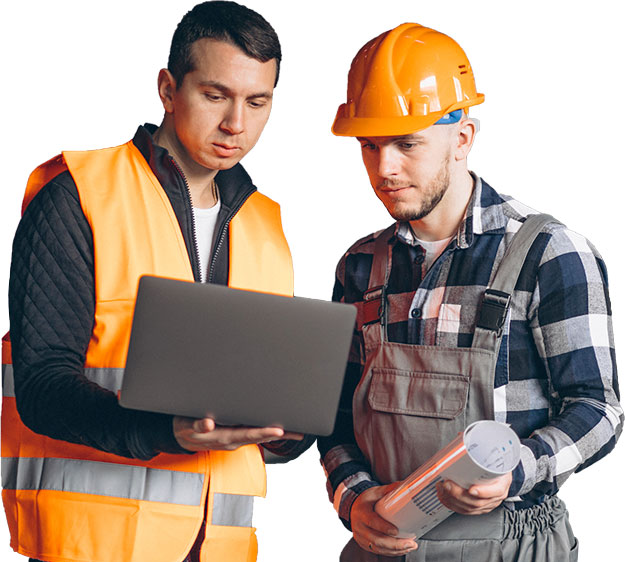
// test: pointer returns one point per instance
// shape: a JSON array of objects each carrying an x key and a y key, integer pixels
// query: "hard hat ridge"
[{"x": 403, "y": 81}]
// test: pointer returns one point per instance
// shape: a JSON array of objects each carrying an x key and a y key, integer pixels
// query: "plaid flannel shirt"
[{"x": 555, "y": 379}]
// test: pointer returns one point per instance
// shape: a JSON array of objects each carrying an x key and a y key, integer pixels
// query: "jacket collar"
[{"x": 235, "y": 185}]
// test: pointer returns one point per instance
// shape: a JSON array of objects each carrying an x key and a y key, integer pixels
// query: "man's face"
[
  {"x": 410, "y": 173},
  {"x": 222, "y": 106}
]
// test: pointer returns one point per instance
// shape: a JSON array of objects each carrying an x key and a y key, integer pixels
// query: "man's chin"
[
  {"x": 215, "y": 163},
  {"x": 403, "y": 214}
]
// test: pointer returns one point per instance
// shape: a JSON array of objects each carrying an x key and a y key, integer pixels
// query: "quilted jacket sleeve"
[{"x": 51, "y": 308}]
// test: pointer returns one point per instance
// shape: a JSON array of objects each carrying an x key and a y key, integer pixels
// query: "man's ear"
[
  {"x": 464, "y": 139},
  {"x": 166, "y": 89}
]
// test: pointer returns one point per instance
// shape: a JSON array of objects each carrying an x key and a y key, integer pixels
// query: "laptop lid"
[{"x": 239, "y": 357}]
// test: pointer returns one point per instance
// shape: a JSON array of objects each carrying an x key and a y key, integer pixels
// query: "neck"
[
  {"x": 200, "y": 180},
  {"x": 444, "y": 221}
]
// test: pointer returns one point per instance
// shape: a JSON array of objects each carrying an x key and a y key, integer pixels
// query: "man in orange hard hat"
[{"x": 453, "y": 328}]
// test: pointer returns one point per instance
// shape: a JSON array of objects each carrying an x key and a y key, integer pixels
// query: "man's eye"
[
  {"x": 367, "y": 146},
  {"x": 257, "y": 103},
  {"x": 213, "y": 97}
]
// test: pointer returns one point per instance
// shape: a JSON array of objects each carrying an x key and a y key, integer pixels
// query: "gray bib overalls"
[{"x": 412, "y": 400}]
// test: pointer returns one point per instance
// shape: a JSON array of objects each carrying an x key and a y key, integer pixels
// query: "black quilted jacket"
[{"x": 51, "y": 308}]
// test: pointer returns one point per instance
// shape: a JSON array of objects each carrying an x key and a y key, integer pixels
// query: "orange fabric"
[
  {"x": 136, "y": 232},
  {"x": 232, "y": 543},
  {"x": 41, "y": 176},
  {"x": 6, "y": 349},
  {"x": 254, "y": 270},
  {"x": 81, "y": 521},
  {"x": 121, "y": 249}
]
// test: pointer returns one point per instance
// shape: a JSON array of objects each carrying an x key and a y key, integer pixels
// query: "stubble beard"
[{"x": 432, "y": 196}]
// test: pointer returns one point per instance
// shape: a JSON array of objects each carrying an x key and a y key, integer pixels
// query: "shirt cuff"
[
  {"x": 347, "y": 492},
  {"x": 163, "y": 439},
  {"x": 284, "y": 450},
  {"x": 522, "y": 482}
]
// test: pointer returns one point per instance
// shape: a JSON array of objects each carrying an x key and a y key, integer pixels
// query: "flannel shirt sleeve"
[
  {"x": 347, "y": 470},
  {"x": 570, "y": 317},
  {"x": 285, "y": 450}
]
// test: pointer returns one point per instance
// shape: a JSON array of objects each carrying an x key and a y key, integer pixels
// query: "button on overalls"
[{"x": 412, "y": 400}]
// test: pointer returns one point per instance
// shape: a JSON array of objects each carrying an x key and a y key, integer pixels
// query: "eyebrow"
[
  {"x": 414, "y": 137},
  {"x": 226, "y": 90}
]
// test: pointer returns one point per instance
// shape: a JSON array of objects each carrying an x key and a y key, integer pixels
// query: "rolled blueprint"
[{"x": 484, "y": 451}]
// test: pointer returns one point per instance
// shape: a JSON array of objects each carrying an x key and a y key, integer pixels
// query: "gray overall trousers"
[{"x": 412, "y": 400}]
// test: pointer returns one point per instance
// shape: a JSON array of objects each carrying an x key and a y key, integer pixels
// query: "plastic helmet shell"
[{"x": 403, "y": 81}]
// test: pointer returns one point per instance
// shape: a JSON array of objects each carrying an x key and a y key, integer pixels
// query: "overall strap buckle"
[{"x": 493, "y": 312}]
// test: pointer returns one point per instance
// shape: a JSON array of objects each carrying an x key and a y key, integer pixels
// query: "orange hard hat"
[{"x": 403, "y": 81}]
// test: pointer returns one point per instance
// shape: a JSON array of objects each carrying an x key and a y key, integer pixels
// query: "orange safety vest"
[{"x": 69, "y": 502}]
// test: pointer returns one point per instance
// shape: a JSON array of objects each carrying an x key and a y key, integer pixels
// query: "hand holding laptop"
[{"x": 204, "y": 434}]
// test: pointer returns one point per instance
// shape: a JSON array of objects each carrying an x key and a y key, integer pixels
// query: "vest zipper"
[
  {"x": 222, "y": 236},
  {"x": 195, "y": 264}
]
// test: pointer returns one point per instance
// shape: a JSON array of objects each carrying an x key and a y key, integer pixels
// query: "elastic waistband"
[
  {"x": 501, "y": 523},
  {"x": 533, "y": 520}
]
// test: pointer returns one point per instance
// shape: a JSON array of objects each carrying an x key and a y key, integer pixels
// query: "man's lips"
[
  {"x": 225, "y": 150},
  {"x": 390, "y": 190}
]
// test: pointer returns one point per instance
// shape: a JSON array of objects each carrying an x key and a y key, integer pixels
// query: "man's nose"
[
  {"x": 234, "y": 119},
  {"x": 388, "y": 163}
]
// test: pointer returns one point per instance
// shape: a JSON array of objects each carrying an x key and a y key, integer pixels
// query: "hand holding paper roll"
[
  {"x": 371, "y": 531},
  {"x": 478, "y": 499},
  {"x": 485, "y": 451}
]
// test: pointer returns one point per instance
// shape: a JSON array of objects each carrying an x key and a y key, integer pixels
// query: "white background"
[{"x": 82, "y": 74}]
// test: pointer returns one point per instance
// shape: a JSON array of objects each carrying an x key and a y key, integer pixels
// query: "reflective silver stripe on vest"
[
  {"x": 8, "y": 386},
  {"x": 108, "y": 378},
  {"x": 102, "y": 479},
  {"x": 232, "y": 510}
]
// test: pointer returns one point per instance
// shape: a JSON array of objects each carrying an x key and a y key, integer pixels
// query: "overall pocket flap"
[{"x": 418, "y": 394}]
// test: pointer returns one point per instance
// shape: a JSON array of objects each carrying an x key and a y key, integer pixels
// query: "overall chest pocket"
[{"x": 414, "y": 393}]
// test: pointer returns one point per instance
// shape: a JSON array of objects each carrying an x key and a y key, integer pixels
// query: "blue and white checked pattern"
[{"x": 555, "y": 381}]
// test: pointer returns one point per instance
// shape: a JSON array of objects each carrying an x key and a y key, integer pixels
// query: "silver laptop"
[{"x": 239, "y": 357}]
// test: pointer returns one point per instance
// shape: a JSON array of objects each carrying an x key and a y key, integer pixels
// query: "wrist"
[
  {"x": 349, "y": 497},
  {"x": 169, "y": 442}
]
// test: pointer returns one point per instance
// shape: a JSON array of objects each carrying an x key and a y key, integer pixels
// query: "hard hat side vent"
[{"x": 463, "y": 68}]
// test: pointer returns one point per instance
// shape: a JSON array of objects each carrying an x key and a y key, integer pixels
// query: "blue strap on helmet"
[{"x": 451, "y": 117}]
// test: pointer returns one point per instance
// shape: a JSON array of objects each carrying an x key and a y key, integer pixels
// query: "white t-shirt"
[
  {"x": 205, "y": 222},
  {"x": 432, "y": 250}
]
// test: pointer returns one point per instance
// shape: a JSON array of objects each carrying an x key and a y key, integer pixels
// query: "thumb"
[
  {"x": 390, "y": 487},
  {"x": 204, "y": 425},
  {"x": 381, "y": 491}
]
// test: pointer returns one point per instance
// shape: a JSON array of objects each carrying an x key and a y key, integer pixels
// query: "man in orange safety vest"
[{"x": 84, "y": 479}]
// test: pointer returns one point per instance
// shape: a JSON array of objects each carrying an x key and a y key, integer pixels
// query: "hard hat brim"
[
  {"x": 381, "y": 127},
  {"x": 345, "y": 126}
]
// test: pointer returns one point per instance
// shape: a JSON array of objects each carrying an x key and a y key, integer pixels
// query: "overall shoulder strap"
[
  {"x": 375, "y": 296},
  {"x": 496, "y": 300}
]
